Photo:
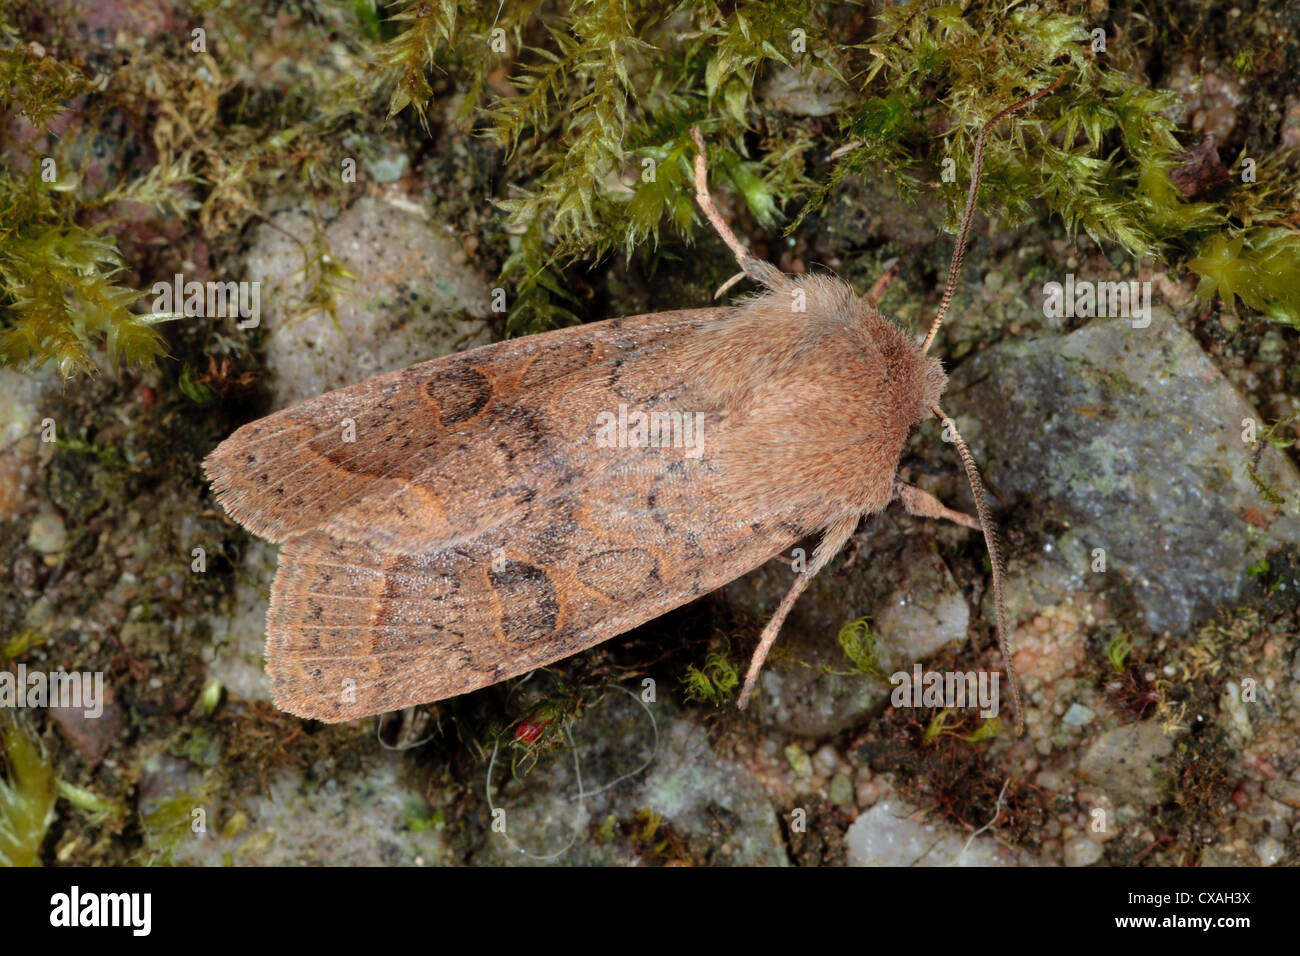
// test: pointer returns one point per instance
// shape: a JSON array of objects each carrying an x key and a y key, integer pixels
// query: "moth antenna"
[
  {"x": 977, "y": 167},
  {"x": 995, "y": 559},
  {"x": 764, "y": 273}
]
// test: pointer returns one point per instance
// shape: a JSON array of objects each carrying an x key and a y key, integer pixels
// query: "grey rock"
[
  {"x": 235, "y": 653},
  {"x": 1133, "y": 438},
  {"x": 1081, "y": 851},
  {"x": 1078, "y": 715},
  {"x": 708, "y": 800},
  {"x": 889, "y": 834},
  {"x": 1270, "y": 851},
  {"x": 1125, "y": 763},
  {"x": 1236, "y": 711},
  {"x": 366, "y": 818},
  {"x": 388, "y": 167},
  {"x": 1043, "y": 578},
  {"x": 409, "y": 300},
  {"x": 900, "y": 583},
  {"x": 1218, "y": 856}
]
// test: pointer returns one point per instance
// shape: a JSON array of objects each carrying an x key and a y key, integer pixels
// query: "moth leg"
[
  {"x": 728, "y": 284},
  {"x": 878, "y": 288},
  {"x": 764, "y": 273},
  {"x": 926, "y": 505},
  {"x": 832, "y": 540}
]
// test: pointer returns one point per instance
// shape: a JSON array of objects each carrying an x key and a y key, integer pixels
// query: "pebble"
[
  {"x": 826, "y": 759},
  {"x": 1270, "y": 851},
  {"x": 841, "y": 792},
  {"x": 799, "y": 760},
  {"x": 47, "y": 534},
  {"x": 1081, "y": 851},
  {"x": 866, "y": 794},
  {"x": 1079, "y": 715},
  {"x": 1285, "y": 791}
]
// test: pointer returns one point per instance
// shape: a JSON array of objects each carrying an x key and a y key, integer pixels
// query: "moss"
[
  {"x": 59, "y": 287},
  {"x": 170, "y": 822},
  {"x": 1257, "y": 266},
  {"x": 27, "y": 795},
  {"x": 858, "y": 642},
  {"x": 1117, "y": 651},
  {"x": 714, "y": 684},
  {"x": 36, "y": 86}
]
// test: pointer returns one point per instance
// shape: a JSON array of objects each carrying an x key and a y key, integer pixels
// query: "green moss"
[
  {"x": 1117, "y": 651},
  {"x": 1266, "y": 491},
  {"x": 1271, "y": 434},
  {"x": 170, "y": 822},
  {"x": 21, "y": 643},
  {"x": 27, "y": 795},
  {"x": 859, "y": 645},
  {"x": 59, "y": 295},
  {"x": 1258, "y": 266},
  {"x": 35, "y": 85},
  {"x": 714, "y": 684},
  {"x": 605, "y": 94},
  {"x": 89, "y": 801}
]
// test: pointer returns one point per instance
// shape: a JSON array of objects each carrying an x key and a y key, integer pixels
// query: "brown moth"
[{"x": 496, "y": 511}]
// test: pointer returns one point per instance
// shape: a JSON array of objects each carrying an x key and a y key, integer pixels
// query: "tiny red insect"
[{"x": 530, "y": 730}]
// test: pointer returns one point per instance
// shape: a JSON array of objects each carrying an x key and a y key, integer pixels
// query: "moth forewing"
[{"x": 551, "y": 541}]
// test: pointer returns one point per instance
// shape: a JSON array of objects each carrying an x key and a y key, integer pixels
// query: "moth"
[{"x": 468, "y": 519}]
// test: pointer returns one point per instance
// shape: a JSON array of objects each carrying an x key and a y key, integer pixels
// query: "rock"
[
  {"x": 1081, "y": 851},
  {"x": 799, "y": 761},
  {"x": 1213, "y": 856},
  {"x": 899, "y": 582},
  {"x": 369, "y": 817},
  {"x": 841, "y": 790},
  {"x": 1125, "y": 763},
  {"x": 235, "y": 652},
  {"x": 47, "y": 534},
  {"x": 926, "y": 612},
  {"x": 889, "y": 835},
  {"x": 1270, "y": 851},
  {"x": 1078, "y": 715},
  {"x": 20, "y": 427},
  {"x": 1039, "y": 579},
  {"x": 1133, "y": 438},
  {"x": 826, "y": 759},
  {"x": 388, "y": 167},
  {"x": 408, "y": 301},
  {"x": 93, "y": 735},
  {"x": 709, "y": 803}
]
